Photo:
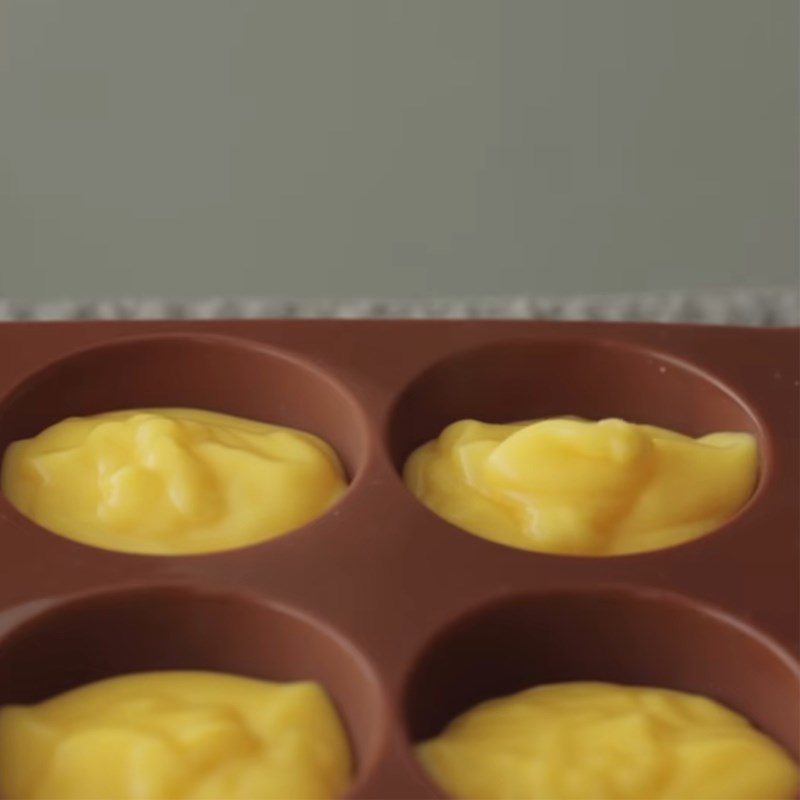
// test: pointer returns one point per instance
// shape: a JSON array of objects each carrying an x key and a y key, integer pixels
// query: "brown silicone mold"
[{"x": 406, "y": 620}]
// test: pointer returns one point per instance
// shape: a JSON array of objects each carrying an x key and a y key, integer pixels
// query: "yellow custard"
[
  {"x": 572, "y": 486},
  {"x": 171, "y": 480},
  {"x": 596, "y": 741},
  {"x": 176, "y": 736}
]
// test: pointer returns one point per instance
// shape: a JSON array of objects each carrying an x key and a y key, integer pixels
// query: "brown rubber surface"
[{"x": 405, "y": 619}]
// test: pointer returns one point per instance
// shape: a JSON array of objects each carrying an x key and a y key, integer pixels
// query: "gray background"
[{"x": 396, "y": 147}]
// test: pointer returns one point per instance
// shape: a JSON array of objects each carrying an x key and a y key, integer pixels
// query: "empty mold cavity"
[
  {"x": 171, "y": 628},
  {"x": 213, "y": 373},
  {"x": 536, "y": 378},
  {"x": 616, "y": 635}
]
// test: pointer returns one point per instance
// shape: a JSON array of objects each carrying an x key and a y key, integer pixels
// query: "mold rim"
[
  {"x": 366, "y": 443},
  {"x": 27, "y": 616},
  {"x": 497, "y": 602},
  {"x": 765, "y": 441}
]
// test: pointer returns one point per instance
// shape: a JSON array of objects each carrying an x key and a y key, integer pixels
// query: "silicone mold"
[{"x": 406, "y": 620}]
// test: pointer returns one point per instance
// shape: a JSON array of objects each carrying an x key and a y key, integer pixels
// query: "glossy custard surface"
[
  {"x": 571, "y": 486},
  {"x": 171, "y": 480},
  {"x": 176, "y": 736},
  {"x": 596, "y": 741}
]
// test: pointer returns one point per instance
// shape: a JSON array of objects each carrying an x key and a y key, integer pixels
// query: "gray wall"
[{"x": 395, "y": 147}]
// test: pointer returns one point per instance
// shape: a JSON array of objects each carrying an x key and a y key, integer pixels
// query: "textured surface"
[{"x": 767, "y": 307}]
